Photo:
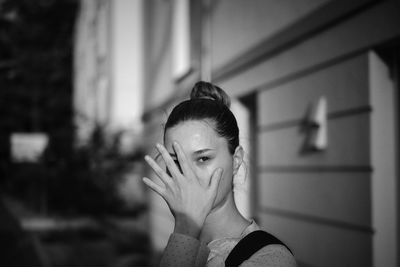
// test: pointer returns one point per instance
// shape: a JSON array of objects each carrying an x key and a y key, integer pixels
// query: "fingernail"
[
  {"x": 158, "y": 145},
  {"x": 146, "y": 157}
]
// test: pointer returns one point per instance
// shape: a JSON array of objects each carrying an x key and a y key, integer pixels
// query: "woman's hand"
[{"x": 189, "y": 198}]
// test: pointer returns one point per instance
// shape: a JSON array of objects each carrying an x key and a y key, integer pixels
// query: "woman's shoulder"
[
  {"x": 267, "y": 250},
  {"x": 271, "y": 255}
]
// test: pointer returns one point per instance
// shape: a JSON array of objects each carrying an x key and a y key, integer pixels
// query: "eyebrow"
[{"x": 201, "y": 151}]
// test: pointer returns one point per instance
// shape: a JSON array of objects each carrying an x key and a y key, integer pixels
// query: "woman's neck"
[{"x": 224, "y": 221}]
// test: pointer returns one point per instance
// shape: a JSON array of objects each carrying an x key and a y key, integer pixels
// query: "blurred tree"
[
  {"x": 87, "y": 181},
  {"x": 36, "y": 45},
  {"x": 36, "y": 39}
]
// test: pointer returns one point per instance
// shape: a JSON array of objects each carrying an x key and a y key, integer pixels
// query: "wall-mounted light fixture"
[{"x": 318, "y": 139}]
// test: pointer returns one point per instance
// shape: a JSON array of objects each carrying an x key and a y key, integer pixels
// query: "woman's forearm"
[{"x": 184, "y": 251}]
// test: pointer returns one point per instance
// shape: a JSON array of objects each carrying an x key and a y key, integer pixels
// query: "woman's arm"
[{"x": 183, "y": 251}]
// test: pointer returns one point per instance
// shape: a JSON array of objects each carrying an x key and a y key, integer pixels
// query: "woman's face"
[{"x": 205, "y": 150}]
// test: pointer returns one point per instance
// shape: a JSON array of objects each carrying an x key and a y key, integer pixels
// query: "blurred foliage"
[
  {"x": 36, "y": 88},
  {"x": 83, "y": 182},
  {"x": 86, "y": 181},
  {"x": 36, "y": 41}
]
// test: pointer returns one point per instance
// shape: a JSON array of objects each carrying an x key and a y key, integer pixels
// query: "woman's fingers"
[
  {"x": 216, "y": 178},
  {"x": 182, "y": 159},
  {"x": 153, "y": 186},
  {"x": 173, "y": 169},
  {"x": 183, "y": 196},
  {"x": 164, "y": 177}
]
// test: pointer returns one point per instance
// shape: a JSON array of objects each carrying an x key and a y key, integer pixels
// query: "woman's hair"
[{"x": 208, "y": 102}]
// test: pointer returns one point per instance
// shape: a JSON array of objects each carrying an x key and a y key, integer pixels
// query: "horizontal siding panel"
[
  {"x": 320, "y": 245},
  {"x": 343, "y": 197},
  {"x": 362, "y": 31},
  {"x": 345, "y": 86},
  {"x": 245, "y": 24},
  {"x": 348, "y": 145}
]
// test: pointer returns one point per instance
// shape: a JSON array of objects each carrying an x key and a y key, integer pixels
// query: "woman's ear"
[{"x": 237, "y": 159}]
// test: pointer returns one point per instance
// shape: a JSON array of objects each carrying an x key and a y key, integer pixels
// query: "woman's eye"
[{"x": 203, "y": 159}]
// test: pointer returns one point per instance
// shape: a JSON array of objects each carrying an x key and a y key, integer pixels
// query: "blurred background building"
[
  {"x": 315, "y": 90},
  {"x": 330, "y": 190}
]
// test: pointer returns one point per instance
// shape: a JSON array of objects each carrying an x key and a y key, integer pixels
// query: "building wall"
[
  {"x": 324, "y": 195},
  {"x": 109, "y": 66},
  {"x": 332, "y": 207},
  {"x": 159, "y": 84},
  {"x": 243, "y": 25},
  {"x": 91, "y": 67}
]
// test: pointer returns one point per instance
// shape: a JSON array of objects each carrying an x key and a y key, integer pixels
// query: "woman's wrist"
[{"x": 188, "y": 226}]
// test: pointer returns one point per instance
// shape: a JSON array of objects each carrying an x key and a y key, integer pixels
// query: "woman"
[{"x": 202, "y": 154}]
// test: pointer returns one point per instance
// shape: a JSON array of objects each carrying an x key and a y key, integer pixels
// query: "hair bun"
[{"x": 208, "y": 90}]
